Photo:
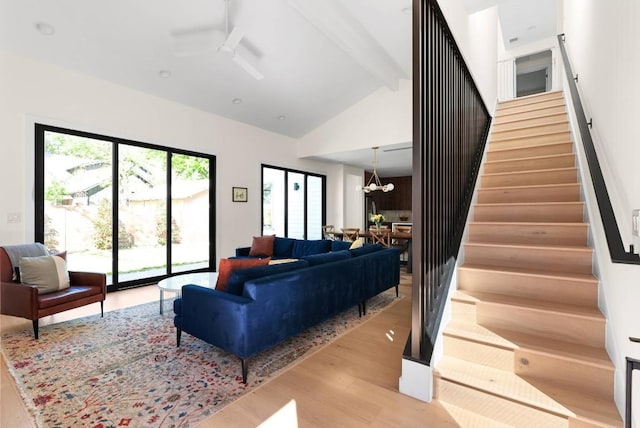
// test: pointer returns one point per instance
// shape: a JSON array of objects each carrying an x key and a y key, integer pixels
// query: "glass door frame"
[{"x": 39, "y": 199}]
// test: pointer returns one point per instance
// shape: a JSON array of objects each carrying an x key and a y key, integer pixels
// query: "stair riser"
[
  {"x": 529, "y": 132},
  {"x": 535, "y": 164},
  {"x": 545, "y": 259},
  {"x": 572, "y": 213},
  {"x": 463, "y": 311},
  {"x": 564, "y": 193},
  {"x": 554, "y": 325},
  {"x": 535, "y": 234},
  {"x": 549, "y": 289},
  {"x": 535, "y": 140},
  {"x": 479, "y": 353},
  {"x": 516, "y": 117},
  {"x": 497, "y": 408},
  {"x": 574, "y": 373},
  {"x": 520, "y": 151},
  {"x": 531, "y": 103},
  {"x": 527, "y": 123},
  {"x": 533, "y": 178}
]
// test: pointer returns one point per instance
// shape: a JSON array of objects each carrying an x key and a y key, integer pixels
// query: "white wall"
[
  {"x": 476, "y": 35},
  {"x": 35, "y": 91},
  {"x": 602, "y": 44}
]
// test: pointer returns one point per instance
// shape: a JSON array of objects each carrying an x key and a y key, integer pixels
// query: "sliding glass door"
[
  {"x": 137, "y": 212},
  {"x": 293, "y": 203}
]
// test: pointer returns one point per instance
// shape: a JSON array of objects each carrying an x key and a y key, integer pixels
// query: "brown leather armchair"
[{"x": 23, "y": 301}]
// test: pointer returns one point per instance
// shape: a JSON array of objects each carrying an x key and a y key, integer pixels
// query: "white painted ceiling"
[{"x": 318, "y": 57}]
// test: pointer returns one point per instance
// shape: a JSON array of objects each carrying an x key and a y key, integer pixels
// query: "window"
[
  {"x": 293, "y": 203},
  {"x": 135, "y": 211}
]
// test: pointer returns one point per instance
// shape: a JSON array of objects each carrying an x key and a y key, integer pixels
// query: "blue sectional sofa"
[{"x": 265, "y": 305}]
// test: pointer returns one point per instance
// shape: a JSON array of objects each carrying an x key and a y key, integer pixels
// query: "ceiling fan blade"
[
  {"x": 247, "y": 67},
  {"x": 233, "y": 39}
]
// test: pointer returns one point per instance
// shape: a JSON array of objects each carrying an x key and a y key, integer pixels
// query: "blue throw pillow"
[
  {"x": 282, "y": 247},
  {"x": 340, "y": 245},
  {"x": 303, "y": 248},
  {"x": 235, "y": 284},
  {"x": 318, "y": 259},
  {"x": 366, "y": 249}
]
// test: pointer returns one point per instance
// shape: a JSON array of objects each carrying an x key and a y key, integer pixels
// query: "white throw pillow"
[{"x": 48, "y": 273}]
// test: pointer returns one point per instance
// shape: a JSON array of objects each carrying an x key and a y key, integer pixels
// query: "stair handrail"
[{"x": 612, "y": 232}]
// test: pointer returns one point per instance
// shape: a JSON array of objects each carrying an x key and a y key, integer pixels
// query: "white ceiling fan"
[
  {"x": 197, "y": 40},
  {"x": 230, "y": 43}
]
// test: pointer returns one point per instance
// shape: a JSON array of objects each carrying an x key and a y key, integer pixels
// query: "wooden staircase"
[{"x": 526, "y": 343}]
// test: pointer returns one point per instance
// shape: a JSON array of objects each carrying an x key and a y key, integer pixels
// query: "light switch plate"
[
  {"x": 635, "y": 223},
  {"x": 13, "y": 218}
]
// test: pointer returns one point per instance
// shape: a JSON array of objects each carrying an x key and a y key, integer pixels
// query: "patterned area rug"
[{"x": 125, "y": 370}]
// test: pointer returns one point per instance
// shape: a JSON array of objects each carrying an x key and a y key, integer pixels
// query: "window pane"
[
  {"x": 142, "y": 212},
  {"x": 273, "y": 204},
  {"x": 189, "y": 212},
  {"x": 314, "y": 207},
  {"x": 77, "y": 206},
  {"x": 295, "y": 205}
]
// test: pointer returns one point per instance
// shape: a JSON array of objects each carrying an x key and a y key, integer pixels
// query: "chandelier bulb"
[{"x": 390, "y": 187}]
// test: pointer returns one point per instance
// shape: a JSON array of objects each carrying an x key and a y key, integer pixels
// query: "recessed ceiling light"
[
  {"x": 165, "y": 74},
  {"x": 282, "y": 117},
  {"x": 406, "y": 10},
  {"x": 531, "y": 27},
  {"x": 513, "y": 40},
  {"x": 45, "y": 29},
  {"x": 237, "y": 100}
]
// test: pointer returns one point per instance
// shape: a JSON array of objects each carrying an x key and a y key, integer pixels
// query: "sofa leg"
[
  {"x": 359, "y": 310},
  {"x": 364, "y": 307},
  {"x": 397, "y": 295},
  {"x": 178, "y": 335},
  {"x": 35, "y": 328},
  {"x": 102, "y": 309},
  {"x": 245, "y": 369}
]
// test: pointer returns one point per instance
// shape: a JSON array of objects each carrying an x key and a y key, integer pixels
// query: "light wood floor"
[{"x": 351, "y": 382}]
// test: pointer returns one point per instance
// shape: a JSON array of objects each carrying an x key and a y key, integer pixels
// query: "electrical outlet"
[{"x": 13, "y": 218}]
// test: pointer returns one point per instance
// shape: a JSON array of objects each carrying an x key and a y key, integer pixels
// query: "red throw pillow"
[
  {"x": 227, "y": 265},
  {"x": 262, "y": 246}
]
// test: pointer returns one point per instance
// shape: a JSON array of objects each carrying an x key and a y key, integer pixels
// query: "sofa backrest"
[
  {"x": 235, "y": 284},
  {"x": 366, "y": 249},
  {"x": 333, "y": 256},
  {"x": 340, "y": 245},
  {"x": 282, "y": 247},
  {"x": 303, "y": 248}
]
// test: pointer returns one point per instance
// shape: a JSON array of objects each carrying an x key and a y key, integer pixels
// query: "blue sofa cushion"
[
  {"x": 282, "y": 247},
  {"x": 340, "y": 245},
  {"x": 235, "y": 284},
  {"x": 306, "y": 248},
  {"x": 366, "y": 249},
  {"x": 318, "y": 259}
]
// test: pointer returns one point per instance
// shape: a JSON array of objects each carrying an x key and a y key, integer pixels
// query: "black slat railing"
[
  {"x": 451, "y": 123},
  {"x": 611, "y": 230}
]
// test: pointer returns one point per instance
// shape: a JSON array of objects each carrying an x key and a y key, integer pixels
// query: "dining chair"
[
  {"x": 328, "y": 232},
  {"x": 402, "y": 244},
  {"x": 350, "y": 233},
  {"x": 380, "y": 236}
]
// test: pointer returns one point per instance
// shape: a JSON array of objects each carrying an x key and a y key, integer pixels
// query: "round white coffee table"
[{"x": 175, "y": 283}]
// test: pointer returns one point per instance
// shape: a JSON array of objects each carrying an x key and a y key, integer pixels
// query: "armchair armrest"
[
  {"x": 243, "y": 251},
  {"x": 89, "y": 279},
  {"x": 19, "y": 300}
]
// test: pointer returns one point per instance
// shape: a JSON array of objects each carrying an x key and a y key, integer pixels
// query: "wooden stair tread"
[
  {"x": 587, "y": 278},
  {"x": 531, "y": 246},
  {"x": 532, "y": 186},
  {"x": 531, "y": 304},
  {"x": 530, "y": 171},
  {"x": 521, "y": 137},
  {"x": 531, "y": 99},
  {"x": 513, "y": 340},
  {"x": 515, "y": 204},
  {"x": 493, "y": 149},
  {"x": 466, "y": 418},
  {"x": 530, "y": 158},
  {"x": 540, "y": 394},
  {"x": 508, "y": 117},
  {"x": 529, "y": 223},
  {"x": 563, "y": 120}
]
